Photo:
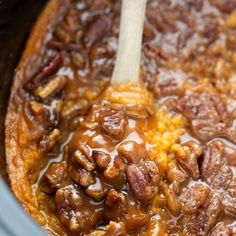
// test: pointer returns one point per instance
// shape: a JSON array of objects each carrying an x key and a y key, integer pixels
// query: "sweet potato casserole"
[{"x": 84, "y": 159}]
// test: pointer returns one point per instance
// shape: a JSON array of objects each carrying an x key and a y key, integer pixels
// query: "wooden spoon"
[
  {"x": 127, "y": 87},
  {"x": 130, "y": 42}
]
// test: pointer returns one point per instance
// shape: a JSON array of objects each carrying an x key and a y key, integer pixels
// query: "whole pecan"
[{"x": 143, "y": 179}]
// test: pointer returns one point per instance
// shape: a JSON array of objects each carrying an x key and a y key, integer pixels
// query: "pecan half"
[
  {"x": 188, "y": 159},
  {"x": 115, "y": 204},
  {"x": 119, "y": 207},
  {"x": 132, "y": 151},
  {"x": 115, "y": 124},
  {"x": 98, "y": 28},
  {"x": 60, "y": 46},
  {"x": 201, "y": 222},
  {"x": 96, "y": 190},
  {"x": 215, "y": 169},
  {"x": 49, "y": 140},
  {"x": 116, "y": 229},
  {"x": 81, "y": 176},
  {"x": 172, "y": 200},
  {"x": 192, "y": 198},
  {"x": 212, "y": 159},
  {"x": 52, "y": 87},
  {"x": 44, "y": 114},
  {"x": 221, "y": 229},
  {"x": 82, "y": 157},
  {"x": 43, "y": 73},
  {"x": 143, "y": 181},
  {"x": 176, "y": 176},
  {"x": 56, "y": 174},
  {"x": 71, "y": 209},
  {"x": 114, "y": 169},
  {"x": 102, "y": 159}
]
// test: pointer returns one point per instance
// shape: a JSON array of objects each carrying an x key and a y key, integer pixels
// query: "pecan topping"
[
  {"x": 96, "y": 190},
  {"x": 43, "y": 73},
  {"x": 56, "y": 175},
  {"x": 83, "y": 157},
  {"x": 143, "y": 180},
  {"x": 201, "y": 222},
  {"x": 132, "y": 151},
  {"x": 64, "y": 46},
  {"x": 71, "y": 209},
  {"x": 192, "y": 198},
  {"x": 52, "y": 87},
  {"x": 97, "y": 30},
  {"x": 173, "y": 202},
  {"x": 221, "y": 230},
  {"x": 81, "y": 176},
  {"x": 189, "y": 158},
  {"x": 102, "y": 159},
  {"x": 49, "y": 141},
  {"x": 114, "y": 169},
  {"x": 115, "y": 124}
]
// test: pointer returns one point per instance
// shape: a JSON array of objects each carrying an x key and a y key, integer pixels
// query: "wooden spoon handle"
[{"x": 130, "y": 42}]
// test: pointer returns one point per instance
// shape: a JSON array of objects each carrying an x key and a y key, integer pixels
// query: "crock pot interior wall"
[{"x": 16, "y": 19}]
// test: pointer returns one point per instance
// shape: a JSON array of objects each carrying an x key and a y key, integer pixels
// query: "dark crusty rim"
[{"x": 31, "y": 60}]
